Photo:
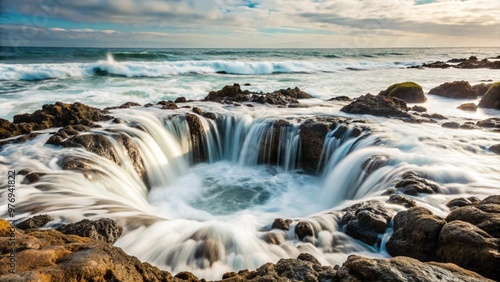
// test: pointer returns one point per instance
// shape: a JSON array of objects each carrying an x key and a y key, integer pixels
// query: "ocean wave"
[{"x": 110, "y": 67}]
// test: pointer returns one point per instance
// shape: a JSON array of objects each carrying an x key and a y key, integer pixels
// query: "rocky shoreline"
[
  {"x": 461, "y": 247},
  {"x": 464, "y": 246}
]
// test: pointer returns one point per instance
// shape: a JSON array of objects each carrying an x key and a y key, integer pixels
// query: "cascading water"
[{"x": 213, "y": 214}]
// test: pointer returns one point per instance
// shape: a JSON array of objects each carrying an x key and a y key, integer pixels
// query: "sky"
[{"x": 250, "y": 23}]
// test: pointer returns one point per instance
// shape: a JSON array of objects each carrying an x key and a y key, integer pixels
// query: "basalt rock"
[
  {"x": 66, "y": 132},
  {"x": 410, "y": 92},
  {"x": 455, "y": 90},
  {"x": 312, "y": 137},
  {"x": 377, "y": 106},
  {"x": 360, "y": 269},
  {"x": 197, "y": 133},
  {"x": 304, "y": 229},
  {"x": 282, "y": 97},
  {"x": 105, "y": 229},
  {"x": 491, "y": 98},
  {"x": 61, "y": 114},
  {"x": 412, "y": 184},
  {"x": 124, "y": 106},
  {"x": 365, "y": 221},
  {"x": 416, "y": 234}
]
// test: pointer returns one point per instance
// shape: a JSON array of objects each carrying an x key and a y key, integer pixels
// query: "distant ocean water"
[{"x": 30, "y": 76}]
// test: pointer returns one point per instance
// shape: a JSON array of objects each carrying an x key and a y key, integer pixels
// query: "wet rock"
[
  {"x": 33, "y": 177},
  {"x": 180, "y": 100},
  {"x": 489, "y": 123},
  {"x": 341, "y": 98},
  {"x": 434, "y": 116},
  {"x": 124, "y": 106},
  {"x": 282, "y": 224},
  {"x": 294, "y": 93},
  {"x": 209, "y": 250},
  {"x": 273, "y": 238},
  {"x": 312, "y": 137},
  {"x": 377, "y": 106},
  {"x": 451, "y": 124},
  {"x": 461, "y": 202},
  {"x": 454, "y": 60},
  {"x": 65, "y": 132},
  {"x": 187, "y": 276},
  {"x": 209, "y": 115},
  {"x": 48, "y": 255},
  {"x": 105, "y": 229},
  {"x": 61, "y": 114},
  {"x": 471, "y": 107},
  {"x": 410, "y": 92},
  {"x": 468, "y": 125},
  {"x": 416, "y": 234},
  {"x": 493, "y": 199},
  {"x": 484, "y": 216},
  {"x": 168, "y": 105},
  {"x": 412, "y": 184},
  {"x": 438, "y": 64},
  {"x": 402, "y": 201},
  {"x": 419, "y": 109},
  {"x": 8, "y": 129},
  {"x": 470, "y": 247},
  {"x": 365, "y": 221},
  {"x": 197, "y": 110},
  {"x": 282, "y": 97},
  {"x": 455, "y": 90},
  {"x": 197, "y": 133},
  {"x": 228, "y": 93},
  {"x": 491, "y": 98},
  {"x": 481, "y": 88},
  {"x": 35, "y": 222},
  {"x": 304, "y": 229},
  {"x": 148, "y": 105},
  {"x": 360, "y": 269}
]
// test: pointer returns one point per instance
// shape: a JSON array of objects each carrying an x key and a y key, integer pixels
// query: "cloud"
[{"x": 264, "y": 23}]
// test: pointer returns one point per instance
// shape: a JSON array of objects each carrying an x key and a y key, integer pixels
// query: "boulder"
[
  {"x": 66, "y": 132},
  {"x": 455, "y": 90},
  {"x": 495, "y": 149},
  {"x": 304, "y": 229},
  {"x": 33, "y": 177},
  {"x": 197, "y": 110},
  {"x": 481, "y": 88},
  {"x": 451, "y": 124},
  {"x": 168, "y": 105},
  {"x": 419, "y": 109},
  {"x": 489, "y": 123},
  {"x": 484, "y": 216},
  {"x": 416, "y": 234},
  {"x": 366, "y": 221},
  {"x": 105, "y": 229},
  {"x": 180, "y": 100},
  {"x": 35, "y": 222},
  {"x": 470, "y": 247},
  {"x": 312, "y": 138},
  {"x": 471, "y": 107},
  {"x": 491, "y": 98},
  {"x": 410, "y": 92},
  {"x": 402, "y": 201},
  {"x": 197, "y": 134},
  {"x": 341, "y": 98},
  {"x": 377, "y": 106},
  {"x": 295, "y": 93},
  {"x": 412, "y": 184},
  {"x": 461, "y": 202},
  {"x": 282, "y": 224},
  {"x": 360, "y": 269}
]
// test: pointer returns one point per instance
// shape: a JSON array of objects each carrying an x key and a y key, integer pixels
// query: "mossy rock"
[
  {"x": 471, "y": 107},
  {"x": 410, "y": 92},
  {"x": 491, "y": 98}
]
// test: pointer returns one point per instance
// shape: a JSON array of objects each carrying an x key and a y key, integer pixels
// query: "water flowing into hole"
[{"x": 212, "y": 188}]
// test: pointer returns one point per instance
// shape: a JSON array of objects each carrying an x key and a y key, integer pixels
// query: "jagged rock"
[
  {"x": 105, "y": 229},
  {"x": 282, "y": 224},
  {"x": 438, "y": 64},
  {"x": 419, "y": 109},
  {"x": 484, "y": 216},
  {"x": 8, "y": 129},
  {"x": 365, "y": 221},
  {"x": 295, "y": 93},
  {"x": 481, "y": 88},
  {"x": 312, "y": 138},
  {"x": 455, "y": 90},
  {"x": 402, "y": 200},
  {"x": 471, "y": 107},
  {"x": 491, "y": 98},
  {"x": 61, "y": 114},
  {"x": 282, "y": 97},
  {"x": 470, "y": 247},
  {"x": 65, "y": 132},
  {"x": 35, "y": 222},
  {"x": 410, "y": 92},
  {"x": 180, "y": 100},
  {"x": 413, "y": 184},
  {"x": 228, "y": 93},
  {"x": 197, "y": 133},
  {"x": 377, "y": 106},
  {"x": 304, "y": 229},
  {"x": 416, "y": 234},
  {"x": 168, "y": 105},
  {"x": 360, "y": 269},
  {"x": 48, "y": 255}
]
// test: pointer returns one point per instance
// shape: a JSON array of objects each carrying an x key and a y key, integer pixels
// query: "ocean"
[{"x": 215, "y": 216}]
